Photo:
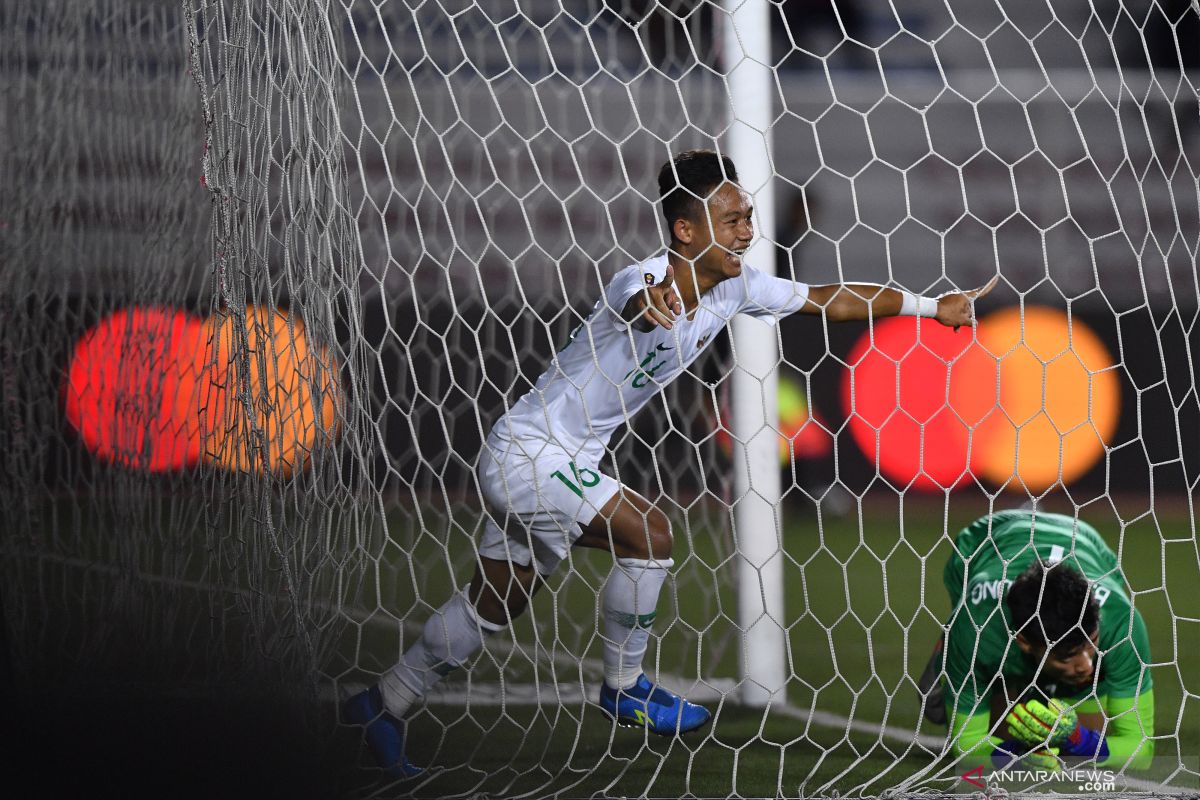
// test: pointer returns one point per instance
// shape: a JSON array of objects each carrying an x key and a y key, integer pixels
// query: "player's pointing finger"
[
  {"x": 670, "y": 276},
  {"x": 975, "y": 294},
  {"x": 662, "y": 305},
  {"x": 658, "y": 316},
  {"x": 671, "y": 297}
]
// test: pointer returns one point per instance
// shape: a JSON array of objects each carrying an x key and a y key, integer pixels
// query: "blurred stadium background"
[{"x": 218, "y": 517}]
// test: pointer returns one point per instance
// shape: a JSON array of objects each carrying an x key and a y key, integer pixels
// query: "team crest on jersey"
[
  {"x": 702, "y": 341},
  {"x": 649, "y": 276}
]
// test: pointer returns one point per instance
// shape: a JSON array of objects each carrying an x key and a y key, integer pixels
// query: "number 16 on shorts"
[{"x": 583, "y": 477}]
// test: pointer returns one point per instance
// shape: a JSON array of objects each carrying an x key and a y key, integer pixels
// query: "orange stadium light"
[
  {"x": 275, "y": 400},
  {"x": 156, "y": 389},
  {"x": 1059, "y": 398},
  {"x": 895, "y": 394},
  {"x": 131, "y": 389},
  {"x": 1029, "y": 402}
]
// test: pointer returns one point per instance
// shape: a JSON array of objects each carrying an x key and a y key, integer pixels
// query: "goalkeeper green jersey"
[{"x": 981, "y": 648}]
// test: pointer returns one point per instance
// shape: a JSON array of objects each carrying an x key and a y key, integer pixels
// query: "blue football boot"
[
  {"x": 384, "y": 733},
  {"x": 645, "y": 705}
]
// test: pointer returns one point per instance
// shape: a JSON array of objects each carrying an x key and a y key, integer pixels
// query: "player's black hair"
[
  {"x": 688, "y": 178},
  {"x": 1053, "y": 605}
]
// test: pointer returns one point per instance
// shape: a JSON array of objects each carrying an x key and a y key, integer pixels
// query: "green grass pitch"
[{"x": 864, "y": 601}]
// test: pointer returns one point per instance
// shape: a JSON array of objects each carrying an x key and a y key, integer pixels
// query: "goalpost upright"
[{"x": 745, "y": 54}]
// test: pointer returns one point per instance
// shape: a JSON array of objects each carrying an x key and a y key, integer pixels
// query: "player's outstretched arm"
[
  {"x": 842, "y": 302},
  {"x": 655, "y": 305}
]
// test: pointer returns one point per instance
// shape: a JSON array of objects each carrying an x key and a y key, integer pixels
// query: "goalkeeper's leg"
[{"x": 639, "y": 537}]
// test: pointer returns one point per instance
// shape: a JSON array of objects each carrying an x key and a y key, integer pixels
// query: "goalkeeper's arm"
[
  {"x": 972, "y": 744},
  {"x": 1130, "y": 732},
  {"x": 1125, "y": 742}
]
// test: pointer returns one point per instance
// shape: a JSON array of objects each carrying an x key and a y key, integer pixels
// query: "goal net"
[{"x": 271, "y": 272}]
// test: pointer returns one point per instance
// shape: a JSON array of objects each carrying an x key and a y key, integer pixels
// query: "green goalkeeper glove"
[
  {"x": 1036, "y": 723},
  {"x": 1012, "y": 752},
  {"x": 1046, "y": 760}
]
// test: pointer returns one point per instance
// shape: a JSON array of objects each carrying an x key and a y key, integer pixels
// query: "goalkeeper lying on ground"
[{"x": 1044, "y": 656}]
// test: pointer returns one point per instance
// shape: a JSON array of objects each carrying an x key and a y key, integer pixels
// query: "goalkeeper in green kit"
[{"x": 1044, "y": 656}]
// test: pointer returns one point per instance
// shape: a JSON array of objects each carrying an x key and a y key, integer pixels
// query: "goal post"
[{"x": 745, "y": 52}]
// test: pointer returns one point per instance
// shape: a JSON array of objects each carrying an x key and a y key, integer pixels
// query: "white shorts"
[{"x": 538, "y": 495}]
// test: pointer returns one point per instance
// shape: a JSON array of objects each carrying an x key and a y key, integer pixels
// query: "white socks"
[
  {"x": 452, "y": 634},
  {"x": 629, "y": 600}
]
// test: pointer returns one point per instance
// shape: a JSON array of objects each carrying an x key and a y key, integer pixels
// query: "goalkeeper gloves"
[
  {"x": 1054, "y": 725},
  {"x": 1044, "y": 760},
  {"x": 1011, "y": 752}
]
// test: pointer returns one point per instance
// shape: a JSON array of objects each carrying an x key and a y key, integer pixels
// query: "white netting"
[{"x": 435, "y": 193}]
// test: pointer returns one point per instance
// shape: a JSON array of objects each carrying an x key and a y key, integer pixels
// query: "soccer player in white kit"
[{"x": 539, "y": 468}]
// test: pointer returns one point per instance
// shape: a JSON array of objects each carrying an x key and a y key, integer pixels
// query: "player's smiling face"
[{"x": 719, "y": 242}]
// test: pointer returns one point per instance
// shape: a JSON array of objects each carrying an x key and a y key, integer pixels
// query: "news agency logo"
[
  {"x": 975, "y": 778},
  {"x": 1089, "y": 781}
]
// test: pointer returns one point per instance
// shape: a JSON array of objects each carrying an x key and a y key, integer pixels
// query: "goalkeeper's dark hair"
[
  {"x": 686, "y": 181},
  {"x": 1053, "y": 605}
]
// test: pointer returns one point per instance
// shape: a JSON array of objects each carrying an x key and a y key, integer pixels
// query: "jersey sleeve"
[
  {"x": 1130, "y": 731},
  {"x": 1127, "y": 663},
  {"x": 971, "y": 740},
  {"x": 769, "y": 297}
]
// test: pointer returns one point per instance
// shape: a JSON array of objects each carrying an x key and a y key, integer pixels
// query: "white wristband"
[{"x": 912, "y": 305}]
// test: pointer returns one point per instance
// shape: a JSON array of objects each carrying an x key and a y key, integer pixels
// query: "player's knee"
[
  {"x": 644, "y": 535},
  {"x": 501, "y": 608},
  {"x": 516, "y": 602},
  {"x": 501, "y": 598},
  {"x": 489, "y": 608},
  {"x": 659, "y": 539}
]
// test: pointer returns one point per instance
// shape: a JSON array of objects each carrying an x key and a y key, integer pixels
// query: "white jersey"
[{"x": 609, "y": 370}]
